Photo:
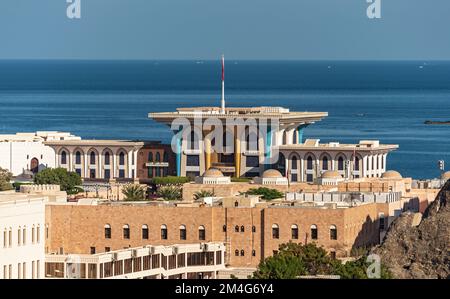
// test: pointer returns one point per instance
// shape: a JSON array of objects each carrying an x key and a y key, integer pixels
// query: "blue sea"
[{"x": 388, "y": 101}]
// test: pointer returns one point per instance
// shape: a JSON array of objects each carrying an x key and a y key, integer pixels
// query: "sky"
[{"x": 241, "y": 29}]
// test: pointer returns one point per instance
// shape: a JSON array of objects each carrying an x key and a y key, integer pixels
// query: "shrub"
[
  {"x": 5, "y": 178},
  {"x": 134, "y": 192},
  {"x": 265, "y": 193},
  {"x": 170, "y": 192},
  {"x": 58, "y": 176}
]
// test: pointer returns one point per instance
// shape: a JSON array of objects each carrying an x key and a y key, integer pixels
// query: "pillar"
[
  {"x": 268, "y": 147},
  {"x": 237, "y": 153},
  {"x": 290, "y": 136},
  {"x": 207, "y": 140},
  {"x": 86, "y": 166},
  {"x": 300, "y": 133}
]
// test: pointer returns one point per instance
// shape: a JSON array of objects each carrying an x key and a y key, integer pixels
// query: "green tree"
[
  {"x": 170, "y": 192},
  {"x": 170, "y": 180},
  {"x": 294, "y": 260},
  {"x": 58, "y": 176},
  {"x": 265, "y": 193},
  {"x": 5, "y": 178},
  {"x": 202, "y": 194},
  {"x": 134, "y": 192}
]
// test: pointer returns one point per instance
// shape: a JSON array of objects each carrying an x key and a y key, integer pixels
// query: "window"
[
  {"x": 253, "y": 229},
  {"x": 165, "y": 157},
  {"x": 236, "y": 229},
  {"x": 92, "y": 250},
  {"x": 10, "y": 237},
  {"x": 163, "y": 232},
  {"x": 242, "y": 229},
  {"x": 224, "y": 228},
  {"x": 192, "y": 160},
  {"x": 107, "y": 174},
  {"x": 242, "y": 252},
  {"x": 46, "y": 231},
  {"x": 309, "y": 163},
  {"x": 24, "y": 235},
  {"x": 107, "y": 158},
  {"x": 19, "y": 236},
  {"x": 275, "y": 231},
  {"x": 333, "y": 232},
  {"x": 5, "y": 238},
  {"x": 294, "y": 231},
  {"x": 356, "y": 164},
  {"x": 121, "y": 173},
  {"x": 201, "y": 233},
  {"x": 309, "y": 177},
  {"x": 144, "y": 232},
  {"x": 38, "y": 234},
  {"x": 325, "y": 163},
  {"x": 63, "y": 157},
  {"x": 193, "y": 141},
  {"x": 24, "y": 270},
  {"x": 33, "y": 233},
  {"x": 78, "y": 157},
  {"x": 150, "y": 157},
  {"x": 253, "y": 252},
  {"x": 236, "y": 204},
  {"x": 126, "y": 231},
  {"x": 252, "y": 161},
  {"x": 314, "y": 233},
  {"x": 182, "y": 232},
  {"x": 19, "y": 270},
  {"x": 92, "y": 158},
  {"x": 158, "y": 157},
  {"x": 341, "y": 164},
  {"x": 122, "y": 158},
  {"x": 382, "y": 221},
  {"x": 107, "y": 249},
  {"x": 236, "y": 252},
  {"x": 107, "y": 231}
]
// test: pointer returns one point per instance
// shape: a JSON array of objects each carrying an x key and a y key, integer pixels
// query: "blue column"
[{"x": 300, "y": 133}]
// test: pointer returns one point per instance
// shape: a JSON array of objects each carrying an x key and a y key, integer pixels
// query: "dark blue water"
[{"x": 366, "y": 100}]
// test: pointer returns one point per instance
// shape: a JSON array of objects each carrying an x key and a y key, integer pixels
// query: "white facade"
[
  {"x": 26, "y": 151},
  {"x": 22, "y": 236}
]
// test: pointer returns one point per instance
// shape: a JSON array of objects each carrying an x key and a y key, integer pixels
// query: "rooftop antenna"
[{"x": 222, "y": 110}]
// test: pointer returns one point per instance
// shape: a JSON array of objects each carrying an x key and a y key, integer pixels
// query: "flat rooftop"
[
  {"x": 363, "y": 145},
  {"x": 283, "y": 114},
  {"x": 12, "y": 197},
  {"x": 101, "y": 142}
]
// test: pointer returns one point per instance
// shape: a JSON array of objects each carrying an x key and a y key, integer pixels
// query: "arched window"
[
  {"x": 325, "y": 163},
  {"x": 340, "y": 163},
  {"x": 33, "y": 234},
  {"x": 356, "y": 163},
  {"x": 253, "y": 252},
  {"x": 236, "y": 204},
  {"x": 126, "y": 231},
  {"x": 92, "y": 158},
  {"x": 201, "y": 233},
  {"x": 275, "y": 231},
  {"x": 24, "y": 235},
  {"x": 182, "y": 232},
  {"x": 38, "y": 234},
  {"x": 314, "y": 232},
  {"x": 224, "y": 228},
  {"x": 333, "y": 232},
  {"x": 107, "y": 231},
  {"x": 122, "y": 158},
  {"x": 242, "y": 228},
  {"x": 242, "y": 252},
  {"x": 236, "y": 252},
  {"x": 253, "y": 229},
  {"x": 163, "y": 232},
  {"x": 107, "y": 158},
  {"x": 165, "y": 157},
  {"x": 294, "y": 231},
  {"x": 145, "y": 232},
  {"x": 158, "y": 157},
  {"x": 294, "y": 162},
  {"x": 78, "y": 157},
  {"x": 19, "y": 236},
  {"x": 63, "y": 157},
  {"x": 236, "y": 229},
  {"x": 309, "y": 162},
  {"x": 150, "y": 157}
]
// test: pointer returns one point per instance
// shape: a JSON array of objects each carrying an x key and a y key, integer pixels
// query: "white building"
[
  {"x": 26, "y": 151},
  {"x": 22, "y": 235}
]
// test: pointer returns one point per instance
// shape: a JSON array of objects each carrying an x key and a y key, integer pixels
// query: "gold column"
[
  {"x": 207, "y": 152},
  {"x": 237, "y": 153}
]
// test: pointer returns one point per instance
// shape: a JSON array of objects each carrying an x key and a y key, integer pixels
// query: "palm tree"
[
  {"x": 202, "y": 194},
  {"x": 170, "y": 192},
  {"x": 133, "y": 192}
]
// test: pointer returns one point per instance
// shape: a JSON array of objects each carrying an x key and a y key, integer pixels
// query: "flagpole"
[{"x": 222, "y": 110}]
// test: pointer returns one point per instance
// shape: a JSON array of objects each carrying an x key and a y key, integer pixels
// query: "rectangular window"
[
  {"x": 294, "y": 177},
  {"x": 107, "y": 249},
  {"x": 5, "y": 274},
  {"x": 295, "y": 233},
  {"x": 192, "y": 160},
  {"x": 78, "y": 171},
  {"x": 252, "y": 161},
  {"x": 19, "y": 271},
  {"x": 145, "y": 233},
  {"x": 33, "y": 269},
  {"x": 38, "y": 269},
  {"x": 107, "y": 174},
  {"x": 10, "y": 271},
  {"x": 309, "y": 178},
  {"x": 92, "y": 250},
  {"x": 121, "y": 173}
]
